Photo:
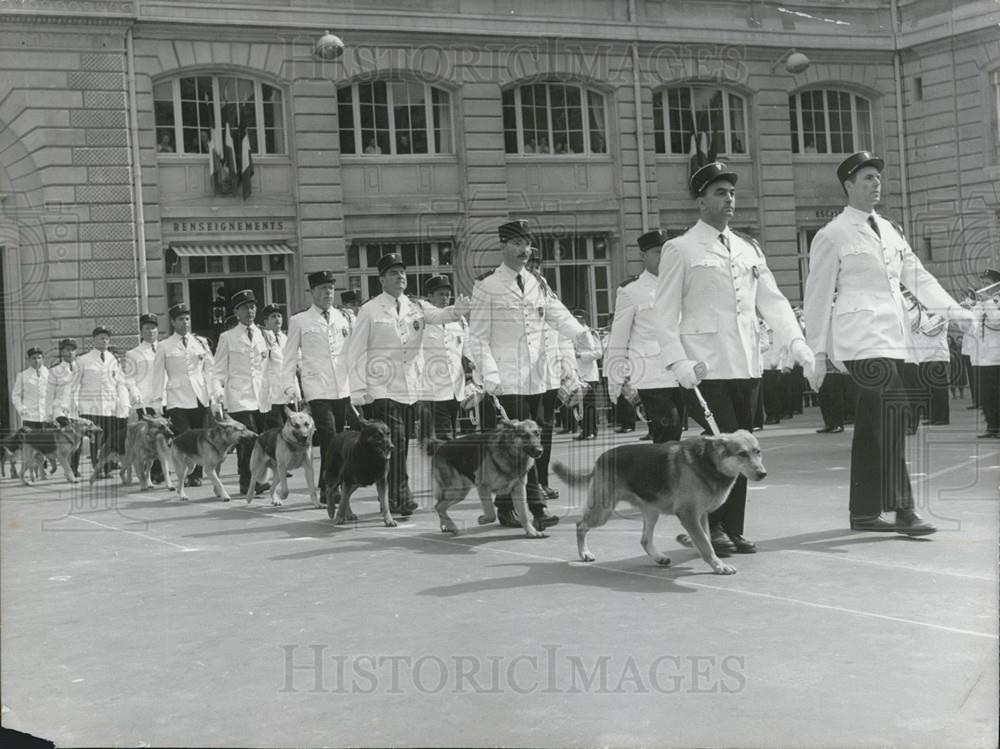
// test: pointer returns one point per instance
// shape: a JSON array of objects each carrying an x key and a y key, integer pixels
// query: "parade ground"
[{"x": 132, "y": 619}]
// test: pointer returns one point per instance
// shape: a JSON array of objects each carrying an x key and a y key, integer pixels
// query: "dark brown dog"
[
  {"x": 496, "y": 462},
  {"x": 59, "y": 443},
  {"x": 357, "y": 459},
  {"x": 688, "y": 479}
]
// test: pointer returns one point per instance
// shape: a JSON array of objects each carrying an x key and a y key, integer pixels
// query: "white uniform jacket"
[
  {"x": 61, "y": 399},
  {"x": 274, "y": 386},
  {"x": 139, "y": 363},
  {"x": 560, "y": 359},
  {"x": 853, "y": 305},
  {"x": 239, "y": 368},
  {"x": 988, "y": 334},
  {"x": 507, "y": 330},
  {"x": 634, "y": 345},
  {"x": 30, "y": 393},
  {"x": 926, "y": 348},
  {"x": 384, "y": 351},
  {"x": 586, "y": 359},
  {"x": 441, "y": 360},
  {"x": 708, "y": 298},
  {"x": 323, "y": 348},
  {"x": 183, "y": 373},
  {"x": 98, "y": 384}
]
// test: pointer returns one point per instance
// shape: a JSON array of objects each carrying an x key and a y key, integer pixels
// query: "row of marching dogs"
[{"x": 688, "y": 479}]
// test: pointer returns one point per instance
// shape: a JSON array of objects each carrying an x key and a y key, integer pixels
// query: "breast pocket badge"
[{"x": 541, "y": 312}]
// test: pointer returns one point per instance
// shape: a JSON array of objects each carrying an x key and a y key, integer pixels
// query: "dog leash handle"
[
  {"x": 500, "y": 410},
  {"x": 701, "y": 369}
]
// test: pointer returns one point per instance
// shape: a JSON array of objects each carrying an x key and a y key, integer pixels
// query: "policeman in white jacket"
[
  {"x": 317, "y": 348},
  {"x": 182, "y": 372},
  {"x": 711, "y": 285},
  {"x": 139, "y": 365},
  {"x": 856, "y": 317},
  {"x": 238, "y": 370},
  {"x": 441, "y": 353},
  {"x": 274, "y": 399},
  {"x": 31, "y": 390},
  {"x": 511, "y": 311},
  {"x": 97, "y": 384},
  {"x": 61, "y": 400},
  {"x": 634, "y": 358},
  {"x": 384, "y": 356}
]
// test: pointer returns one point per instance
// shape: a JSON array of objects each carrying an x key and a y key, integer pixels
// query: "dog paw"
[
  {"x": 537, "y": 534},
  {"x": 588, "y": 557},
  {"x": 390, "y": 522},
  {"x": 724, "y": 569},
  {"x": 225, "y": 498},
  {"x": 447, "y": 526},
  {"x": 663, "y": 560},
  {"x": 275, "y": 502},
  {"x": 486, "y": 519}
]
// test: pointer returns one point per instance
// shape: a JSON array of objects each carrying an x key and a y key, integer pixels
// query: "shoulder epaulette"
[
  {"x": 896, "y": 226},
  {"x": 204, "y": 341},
  {"x": 484, "y": 276},
  {"x": 627, "y": 281}
]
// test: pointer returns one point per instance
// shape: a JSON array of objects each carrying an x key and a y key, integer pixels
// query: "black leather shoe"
[
  {"x": 262, "y": 488},
  {"x": 988, "y": 435},
  {"x": 545, "y": 520},
  {"x": 721, "y": 543},
  {"x": 550, "y": 493},
  {"x": 879, "y": 524},
  {"x": 646, "y": 438},
  {"x": 508, "y": 518},
  {"x": 192, "y": 481},
  {"x": 770, "y": 422},
  {"x": 741, "y": 545},
  {"x": 910, "y": 523},
  {"x": 830, "y": 430}
]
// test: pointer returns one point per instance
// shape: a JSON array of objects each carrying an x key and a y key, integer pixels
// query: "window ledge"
[
  {"x": 548, "y": 157},
  {"x": 381, "y": 158},
  {"x": 195, "y": 158},
  {"x": 739, "y": 158}
]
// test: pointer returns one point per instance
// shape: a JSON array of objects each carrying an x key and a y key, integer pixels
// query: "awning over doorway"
[{"x": 221, "y": 249}]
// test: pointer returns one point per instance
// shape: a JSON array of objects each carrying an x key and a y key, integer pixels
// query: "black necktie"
[
  {"x": 520, "y": 282},
  {"x": 397, "y": 307},
  {"x": 153, "y": 344},
  {"x": 102, "y": 356},
  {"x": 184, "y": 340},
  {"x": 249, "y": 334},
  {"x": 326, "y": 315},
  {"x": 874, "y": 225},
  {"x": 725, "y": 242}
]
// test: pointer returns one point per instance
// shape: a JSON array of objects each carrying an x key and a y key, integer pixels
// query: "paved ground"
[{"x": 132, "y": 619}]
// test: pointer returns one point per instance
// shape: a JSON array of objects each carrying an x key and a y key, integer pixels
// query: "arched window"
[
  {"x": 188, "y": 109},
  {"x": 687, "y": 119},
  {"x": 554, "y": 118},
  {"x": 394, "y": 117},
  {"x": 830, "y": 121}
]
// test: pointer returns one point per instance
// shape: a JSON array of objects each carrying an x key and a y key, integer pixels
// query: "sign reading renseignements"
[{"x": 227, "y": 225}]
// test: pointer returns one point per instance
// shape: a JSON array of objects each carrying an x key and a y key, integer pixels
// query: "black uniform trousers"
[
  {"x": 399, "y": 418},
  {"x": 112, "y": 433},
  {"x": 771, "y": 391},
  {"x": 732, "y": 403},
  {"x": 438, "y": 419},
  {"x": 518, "y": 407},
  {"x": 934, "y": 377},
  {"x": 625, "y": 416},
  {"x": 880, "y": 480},
  {"x": 255, "y": 422},
  {"x": 665, "y": 410},
  {"x": 832, "y": 395},
  {"x": 588, "y": 410},
  {"x": 988, "y": 390},
  {"x": 546, "y": 418},
  {"x": 184, "y": 419},
  {"x": 276, "y": 417},
  {"x": 331, "y": 415}
]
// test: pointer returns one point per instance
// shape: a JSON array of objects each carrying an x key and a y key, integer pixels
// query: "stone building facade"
[{"x": 444, "y": 118}]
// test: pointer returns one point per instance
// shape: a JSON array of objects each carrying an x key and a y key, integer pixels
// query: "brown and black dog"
[
  {"x": 208, "y": 448},
  {"x": 494, "y": 462},
  {"x": 60, "y": 443},
  {"x": 136, "y": 448},
  {"x": 357, "y": 459},
  {"x": 281, "y": 449},
  {"x": 689, "y": 479}
]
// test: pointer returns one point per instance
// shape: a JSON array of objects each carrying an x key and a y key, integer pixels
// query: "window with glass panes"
[
  {"x": 187, "y": 110},
  {"x": 578, "y": 268},
  {"x": 230, "y": 268},
  {"x": 394, "y": 117},
  {"x": 699, "y": 118},
  {"x": 554, "y": 118},
  {"x": 422, "y": 260},
  {"x": 830, "y": 121},
  {"x": 996, "y": 109}
]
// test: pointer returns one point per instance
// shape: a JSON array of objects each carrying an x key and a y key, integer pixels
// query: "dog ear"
[{"x": 288, "y": 412}]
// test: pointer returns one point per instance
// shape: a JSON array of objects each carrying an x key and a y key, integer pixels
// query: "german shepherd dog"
[
  {"x": 147, "y": 440},
  {"x": 208, "y": 448},
  {"x": 39, "y": 445},
  {"x": 358, "y": 459},
  {"x": 494, "y": 462},
  {"x": 281, "y": 449},
  {"x": 689, "y": 479}
]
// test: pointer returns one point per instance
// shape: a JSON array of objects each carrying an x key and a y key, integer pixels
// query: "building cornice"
[{"x": 68, "y": 12}]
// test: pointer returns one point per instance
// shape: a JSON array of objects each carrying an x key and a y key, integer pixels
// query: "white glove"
[
  {"x": 964, "y": 318},
  {"x": 684, "y": 371},
  {"x": 818, "y": 373},
  {"x": 492, "y": 386},
  {"x": 360, "y": 399},
  {"x": 803, "y": 355},
  {"x": 463, "y": 303},
  {"x": 614, "y": 390},
  {"x": 584, "y": 342}
]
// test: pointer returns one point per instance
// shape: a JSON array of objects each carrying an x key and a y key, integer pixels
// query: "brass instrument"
[{"x": 926, "y": 322}]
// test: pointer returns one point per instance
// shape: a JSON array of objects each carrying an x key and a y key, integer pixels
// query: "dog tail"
[{"x": 571, "y": 477}]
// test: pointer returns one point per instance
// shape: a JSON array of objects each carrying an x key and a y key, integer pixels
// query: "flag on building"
[{"x": 246, "y": 165}]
